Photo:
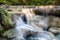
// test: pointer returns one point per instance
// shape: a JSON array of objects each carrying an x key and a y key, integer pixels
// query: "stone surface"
[
  {"x": 53, "y": 30},
  {"x": 39, "y": 21},
  {"x": 54, "y": 21}
]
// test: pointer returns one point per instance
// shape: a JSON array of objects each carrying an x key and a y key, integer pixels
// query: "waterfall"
[
  {"x": 24, "y": 31},
  {"x": 27, "y": 32},
  {"x": 23, "y": 28},
  {"x": 47, "y": 18},
  {"x": 34, "y": 32}
]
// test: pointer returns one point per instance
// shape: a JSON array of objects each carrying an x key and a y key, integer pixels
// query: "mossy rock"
[{"x": 5, "y": 19}]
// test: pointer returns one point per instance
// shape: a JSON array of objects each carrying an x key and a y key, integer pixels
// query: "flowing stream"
[
  {"x": 24, "y": 31},
  {"x": 27, "y": 32}
]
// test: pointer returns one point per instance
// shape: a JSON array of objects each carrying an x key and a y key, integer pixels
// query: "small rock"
[{"x": 53, "y": 30}]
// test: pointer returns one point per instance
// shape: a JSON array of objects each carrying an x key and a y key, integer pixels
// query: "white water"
[{"x": 25, "y": 29}]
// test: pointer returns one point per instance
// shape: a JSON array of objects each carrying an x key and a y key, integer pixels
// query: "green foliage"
[
  {"x": 5, "y": 19},
  {"x": 31, "y": 2}
]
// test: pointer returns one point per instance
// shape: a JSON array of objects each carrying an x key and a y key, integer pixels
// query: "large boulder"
[
  {"x": 5, "y": 19},
  {"x": 5, "y": 23},
  {"x": 54, "y": 21}
]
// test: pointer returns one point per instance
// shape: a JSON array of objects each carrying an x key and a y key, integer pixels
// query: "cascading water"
[
  {"x": 45, "y": 35},
  {"x": 35, "y": 33},
  {"x": 47, "y": 18},
  {"x": 25, "y": 29}
]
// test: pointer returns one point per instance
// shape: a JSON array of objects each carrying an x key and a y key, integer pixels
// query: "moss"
[
  {"x": 1, "y": 28},
  {"x": 5, "y": 19}
]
